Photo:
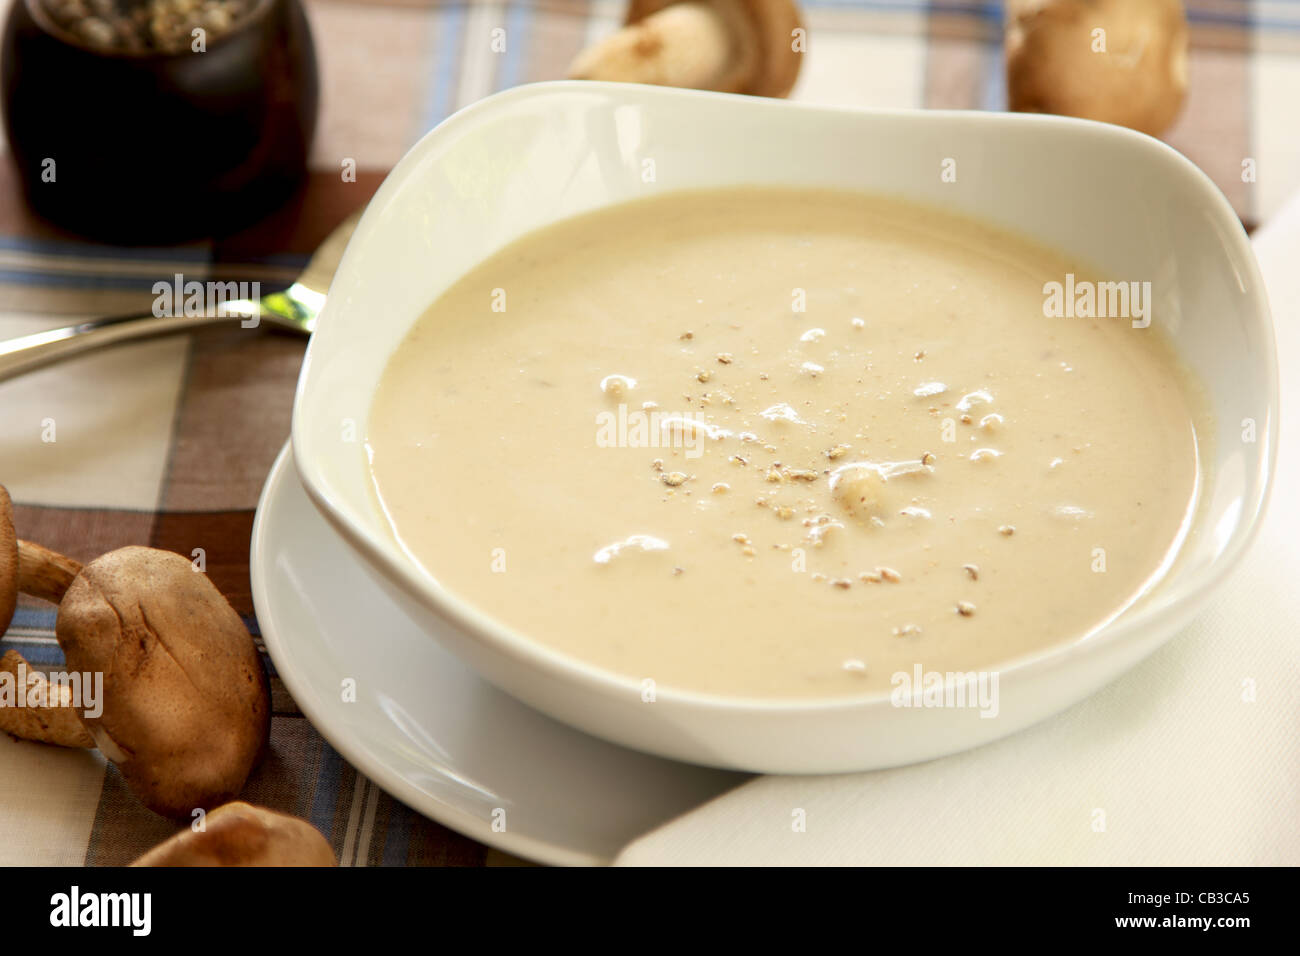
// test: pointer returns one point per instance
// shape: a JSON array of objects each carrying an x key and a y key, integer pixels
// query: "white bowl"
[{"x": 522, "y": 159}]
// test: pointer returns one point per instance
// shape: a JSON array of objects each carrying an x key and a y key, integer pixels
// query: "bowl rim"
[{"x": 1159, "y": 612}]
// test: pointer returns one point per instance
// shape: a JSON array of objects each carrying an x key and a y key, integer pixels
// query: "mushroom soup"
[{"x": 785, "y": 443}]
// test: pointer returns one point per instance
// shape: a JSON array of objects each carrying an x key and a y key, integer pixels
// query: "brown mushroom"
[
  {"x": 185, "y": 712},
  {"x": 239, "y": 834},
  {"x": 8, "y": 561},
  {"x": 45, "y": 712},
  {"x": 30, "y": 707},
  {"x": 1118, "y": 61},
  {"x": 732, "y": 46}
]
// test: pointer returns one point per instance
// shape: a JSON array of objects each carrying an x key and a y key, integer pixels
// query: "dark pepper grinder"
[{"x": 158, "y": 120}]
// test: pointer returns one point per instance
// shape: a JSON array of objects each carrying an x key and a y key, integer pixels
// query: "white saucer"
[{"x": 427, "y": 729}]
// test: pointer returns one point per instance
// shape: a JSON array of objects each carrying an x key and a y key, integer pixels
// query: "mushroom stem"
[
  {"x": 44, "y": 573},
  {"x": 686, "y": 44},
  {"x": 39, "y": 710}
]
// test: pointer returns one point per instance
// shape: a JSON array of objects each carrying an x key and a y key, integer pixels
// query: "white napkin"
[{"x": 1171, "y": 764}]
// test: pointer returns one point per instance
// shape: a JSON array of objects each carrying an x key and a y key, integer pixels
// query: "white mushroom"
[{"x": 733, "y": 46}]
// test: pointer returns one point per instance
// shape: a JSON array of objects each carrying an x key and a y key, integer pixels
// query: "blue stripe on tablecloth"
[
  {"x": 991, "y": 10},
  {"x": 518, "y": 16},
  {"x": 76, "y": 280},
  {"x": 325, "y": 795},
  {"x": 72, "y": 247},
  {"x": 35, "y": 618},
  {"x": 37, "y": 653},
  {"x": 42, "y": 619},
  {"x": 83, "y": 279},
  {"x": 451, "y": 23},
  {"x": 993, "y": 92},
  {"x": 192, "y": 253}
]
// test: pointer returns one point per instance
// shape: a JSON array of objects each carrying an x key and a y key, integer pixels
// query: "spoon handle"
[{"x": 29, "y": 352}]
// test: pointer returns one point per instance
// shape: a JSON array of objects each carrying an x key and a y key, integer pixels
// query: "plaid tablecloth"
[{"x": 168, "y": 443}]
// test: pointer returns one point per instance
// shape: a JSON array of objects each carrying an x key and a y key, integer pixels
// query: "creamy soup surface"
[{"x": 783, "y": 443}]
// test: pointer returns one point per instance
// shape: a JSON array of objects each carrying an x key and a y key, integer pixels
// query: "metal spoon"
[{"x": 294, "y": 309}]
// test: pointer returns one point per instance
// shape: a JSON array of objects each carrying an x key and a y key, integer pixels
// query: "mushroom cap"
[
  {"x": 239, "y": 834},
  {"x": 8, "y": 561},
  {"x": 186, "y": 703},
  {"x": 773, "y": 22},
  {"x": 1139, "y": 81}
]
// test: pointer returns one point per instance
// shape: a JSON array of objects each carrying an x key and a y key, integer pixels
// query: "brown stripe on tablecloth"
[
  {"x": 501, "y": 858},
  {"x": 235, "y": 408},
  {"x": 579, "y": 9},
  {"x": 850, "y": 21},
  {"x": 556, "y": 34},
  {"x": 282, "y": 702},
  {"x": 82, "y": 533},
  {"x": 1223, "y": 24},
  {"x": 426, "y": 843},
  {"x": 224, "y": 537},
  {"x": 1214, "y": 130},
  {"x": 301, "y": 225},
  {"x": 379, "y": 61},
  {"x": 288, "y": 778},
  {"x": 432, "y": 844},
  {"x": 957, "y": 51},
  {"x": 1231, "y": 37},
  {"x": 232, "y": 418},
  {"x": 960, "y": 20},
  {"x": 124, "y": 828},
  {"x": 954, "y": 73}
]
